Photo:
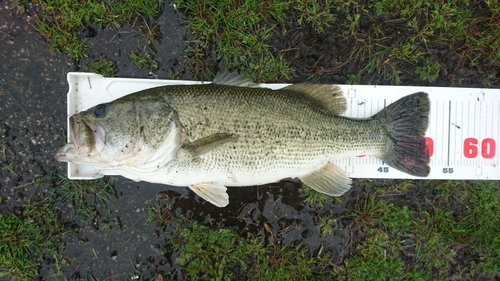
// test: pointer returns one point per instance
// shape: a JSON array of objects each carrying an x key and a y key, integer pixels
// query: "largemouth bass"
[{"x": 233, "y": 133}]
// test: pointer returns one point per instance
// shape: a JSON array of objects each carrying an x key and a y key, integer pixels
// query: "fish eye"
[{"x": 100, "y": 111}]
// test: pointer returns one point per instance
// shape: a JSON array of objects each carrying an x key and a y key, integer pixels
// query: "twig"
[
  {"x": 318, "y": 60},
  {"x": 23, "y": 185},
  {"x": 289, "y": 49},
  {"x": 17, "y": 102},
  {"x": 123, "y": 244}
]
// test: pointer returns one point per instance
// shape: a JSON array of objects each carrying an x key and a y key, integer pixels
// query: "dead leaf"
[{"x": 269, "y": 232}]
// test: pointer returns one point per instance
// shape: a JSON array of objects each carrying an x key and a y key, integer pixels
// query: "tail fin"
[{"x": 407, "y": 120}]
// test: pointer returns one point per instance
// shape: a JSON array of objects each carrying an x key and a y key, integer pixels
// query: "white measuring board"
[{"x": 463, "y": 133}]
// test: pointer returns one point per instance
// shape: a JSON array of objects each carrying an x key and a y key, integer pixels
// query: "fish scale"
[{"x": 270, "y": 125}]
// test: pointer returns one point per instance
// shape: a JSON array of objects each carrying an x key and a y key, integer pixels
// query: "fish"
[{"x": 233, "y": 132}]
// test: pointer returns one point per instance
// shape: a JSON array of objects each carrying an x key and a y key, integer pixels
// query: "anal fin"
[
  {"x": 212, "y": 192},
  {"x": 330, "y": 180}
]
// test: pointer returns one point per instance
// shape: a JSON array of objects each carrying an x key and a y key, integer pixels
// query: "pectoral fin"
[
  {"x": 212, "y": 192},
  {"x": 330, "y": 180},
  {"x": 206, "y": 144}
]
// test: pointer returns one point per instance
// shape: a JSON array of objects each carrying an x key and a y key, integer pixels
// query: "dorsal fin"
[
  {"x": 331, "y": 96},
  {"x": 234, "y": 79}
]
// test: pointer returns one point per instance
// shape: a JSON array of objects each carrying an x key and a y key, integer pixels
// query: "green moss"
[
  {"x": 238, "y": 33},
  {"x": 472, "y": 31},
  {"x": 103, "y": 66},
  {"x": 206, "y": 253},
  {"x": 429, "y": 71},
  {"x": 25, "y": 240},
  {"x": 144, "y": 60},
  {"x": 316, "y": 13},
  {"x": 375, "y": 259},
  {"x": 60, "y": 21},
  {"x": 313, "y": 198},
  {"x": 462, "y": 215},
  {"x": 327, "y": 224},
  {"x": 83, "y": 197}
]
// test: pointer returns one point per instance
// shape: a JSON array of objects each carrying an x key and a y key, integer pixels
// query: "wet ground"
[{"x": 33, "y": 124}]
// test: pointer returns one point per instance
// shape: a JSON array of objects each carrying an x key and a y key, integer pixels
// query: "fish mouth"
[
  {"x": 84, "y": 137},
  {"x": 63, "y": 152}
]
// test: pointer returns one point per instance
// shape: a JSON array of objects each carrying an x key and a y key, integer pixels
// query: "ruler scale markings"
[
  {"x": 445, "y": 137},
  {"x": 492, "y": 117},
  {"x": 457, "y": 160},
  {"x": 497, "y": 127},
  {"x": 462, "y": 134},
  {"x": 443, "y": 133},
  {"x": 353, "y": 103},
  {"x": 477, "y": 127},
  {"x": 383, "y": 163},
  {"x": 497, "y": 138},
  {"x": 451, "y": 133},
  {"x": 470, "y": 162},
  {"x": 455, "y": 135},
  {"x": 439, "y": 132},
  {"x": 479, "y": 135},
  {"x": 487, "y": 132},
  {"x": 467, "y": 118},
  {"x": 474, "y": 130},
  {"x": 447, "y": 157},
  {"x": 449, "y": 124},
  {"x": 367, "y": 112},
  {"x": 434, "y": 133},
  {"x": 483, "y": 131},
  {"x": 477, "y": 131},
  {"x": 473, "y": 127},
  {"x": 489, "y": 129}
]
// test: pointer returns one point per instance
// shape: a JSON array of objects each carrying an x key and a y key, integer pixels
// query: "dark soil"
[{"x": 33, "y": 124}]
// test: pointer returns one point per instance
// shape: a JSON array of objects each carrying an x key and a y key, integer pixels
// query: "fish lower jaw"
[
  {"x": 72, "y": 153},
  {"x": 65, "y": 151}
]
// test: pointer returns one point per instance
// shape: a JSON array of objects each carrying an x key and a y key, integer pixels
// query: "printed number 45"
[{"x": 383, "y": 169}]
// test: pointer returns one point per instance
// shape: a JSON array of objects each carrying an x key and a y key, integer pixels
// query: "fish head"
[{"x": 126, "y": 132}]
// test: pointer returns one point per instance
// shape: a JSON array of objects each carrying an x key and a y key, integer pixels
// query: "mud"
[
  {"x": 33, "y": 124},
  {"x": 32, "y": 110}
]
